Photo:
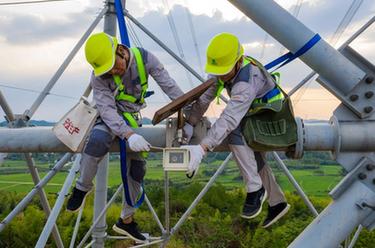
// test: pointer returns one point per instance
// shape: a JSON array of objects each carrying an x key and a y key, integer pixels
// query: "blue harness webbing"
[{"x": 124, "y": 169}]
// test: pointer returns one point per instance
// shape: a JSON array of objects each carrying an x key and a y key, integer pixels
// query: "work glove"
[
  {"x": 196, "y": 155},
  {"x": 187, "y": 132},
  {"x": 138, "y": 144}
]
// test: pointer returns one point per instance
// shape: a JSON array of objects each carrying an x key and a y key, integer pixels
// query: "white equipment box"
[{"x": 175, "y": 159}]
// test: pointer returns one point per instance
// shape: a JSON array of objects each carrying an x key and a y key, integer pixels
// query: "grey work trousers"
[
  {"x": 254, "y": 168},
  {"x": 98, "y": 145}
]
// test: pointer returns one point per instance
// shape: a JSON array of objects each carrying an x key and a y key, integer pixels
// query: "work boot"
[
  {"x": 75, "y": 200},
  {"x": 275, "y": 213},
  {"x": 253, "y": 203},
  {"x": 130, "y": 230}
]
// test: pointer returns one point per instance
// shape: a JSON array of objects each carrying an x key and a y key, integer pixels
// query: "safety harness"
[
  {"x": 272, "y": 96},
  {"x": 132, "y": 120}
]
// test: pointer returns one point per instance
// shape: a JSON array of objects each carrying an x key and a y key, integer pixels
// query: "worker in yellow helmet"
[
  {"x": 245, "y": 83},
  {"x": 119, "y": 82}
]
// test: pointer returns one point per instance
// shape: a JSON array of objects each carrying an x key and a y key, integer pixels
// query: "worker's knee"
[
  {"x": 99, "y": 143},
  {"x": 137, "y": 170}
]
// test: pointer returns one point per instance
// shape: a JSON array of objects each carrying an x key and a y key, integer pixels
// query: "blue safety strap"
[
  {"x": 124, "y": 169},
  {"x": 149, "y": 93},
  {"x": 275, "y": 91},
  {"x": 288, "y": 57},
  {"x": 124, "y": 176},
  {"x": 121, "y": 23}
]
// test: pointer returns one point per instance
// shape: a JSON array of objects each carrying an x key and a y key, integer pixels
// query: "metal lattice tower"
[{"x": 349, "y": 135}]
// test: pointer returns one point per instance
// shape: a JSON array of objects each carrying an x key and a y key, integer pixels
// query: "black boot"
[
  {"x": 275, "y": 213},
  {"x": 253, "y": 203},
  {"x": 75, "y": 200},
  {"x": 130, "y": 230}
]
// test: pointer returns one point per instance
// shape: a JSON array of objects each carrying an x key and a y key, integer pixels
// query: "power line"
[
  {"x": 134, "y": 36},
  {"x": 172, "y": 25},
  {"x": 193, "y": 35},
  {"x": 35, "y": 91},
  {"x": 346, "y": 21},
  {"x": 262, "y": 51},
  {"x": 31, "y": 2},
  {"x": 192, "y": 30}
]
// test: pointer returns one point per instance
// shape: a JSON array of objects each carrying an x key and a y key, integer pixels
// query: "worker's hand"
[
  {"x": 138, "y": 144},
  {"x": 196, "y": 155},
  {"x": 187, "y": 132}
]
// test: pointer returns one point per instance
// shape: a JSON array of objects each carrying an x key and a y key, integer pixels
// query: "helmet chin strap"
[{"x": 237, "y": 68}]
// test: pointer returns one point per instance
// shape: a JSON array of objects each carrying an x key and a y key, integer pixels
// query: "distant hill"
[
  {"x": 33, "y": 123},
  {"x": 145, "y": 121}
]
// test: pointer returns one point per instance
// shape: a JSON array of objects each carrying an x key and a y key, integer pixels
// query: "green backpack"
[{"x": 270, "y": 125}]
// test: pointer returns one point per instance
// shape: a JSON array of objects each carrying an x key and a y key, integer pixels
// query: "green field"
[{"x": 315, "y": 182}]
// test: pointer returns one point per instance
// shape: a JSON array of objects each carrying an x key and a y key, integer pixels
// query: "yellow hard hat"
[
  {"x": 223, "y": 51},
  {"x": 100, "y": 51}
]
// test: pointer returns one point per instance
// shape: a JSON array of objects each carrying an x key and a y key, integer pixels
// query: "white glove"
[
  {"x": 138, "y": 144},
  {"x": 196, "y": 155},
  {"x": 188, "y": 132}
]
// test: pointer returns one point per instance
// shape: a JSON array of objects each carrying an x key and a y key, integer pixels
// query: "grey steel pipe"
[
  {"x": 355, "y": 237},
  {"x": 43, "y": 197},
  {"x": 5, "y": 106},
  {"x": 76, "y": 226},
  {"x": 58, "y": 204},
  {"x": 154, "y": 214},
  {"x": 330, "y": 227},
  {"x": 346, "y": 43},
  {"x": 103, "y": 211},
  {"x": 166, "y": 203},
  {"x": 357, "y": 137},
  {"x": 87, "y": 91},
  {"x": 22, "y": 204},
  {"x": 30, "y": 112},
  {"x": 319, "y": 136},
  {"x": 201, "y": 194},
  {"x": 293, "y": 34},
  {"x": 99, "y": 232},
  {"x": 294, "y": 182},
  {"x": 42, "y": 139}
]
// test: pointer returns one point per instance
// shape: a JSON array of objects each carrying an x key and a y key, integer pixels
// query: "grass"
[{"x": 315, "y": 182}]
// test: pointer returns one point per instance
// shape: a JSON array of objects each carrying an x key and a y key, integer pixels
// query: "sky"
[{"x": 36, "y": 38}]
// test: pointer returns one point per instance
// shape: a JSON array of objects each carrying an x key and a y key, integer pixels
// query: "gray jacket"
[
  {"x": 248, "y": 84},
  {"x": 104, "y": 89}
]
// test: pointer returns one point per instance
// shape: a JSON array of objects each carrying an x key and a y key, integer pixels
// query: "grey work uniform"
[
  {"x": 248, "y": 84},
  {"x": 111, "y": 123}
]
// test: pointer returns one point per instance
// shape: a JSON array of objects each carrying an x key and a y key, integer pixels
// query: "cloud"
[
  {"x": 35, "y": 43},
  {"x": 28, "y": 29}
]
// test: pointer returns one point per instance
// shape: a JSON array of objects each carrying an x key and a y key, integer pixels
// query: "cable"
[
  {"x": 132, "y": 37},
  {"x": 135, "y": 36},
  {"x": 172, "y": 25},
  {"x": 31, "y": 2},
  {"x": 193, "y": 35},
  {"x": 35, "y": 91},
  {"x": 346, "y": 21},
  {"x": 261, "y": 55}
]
